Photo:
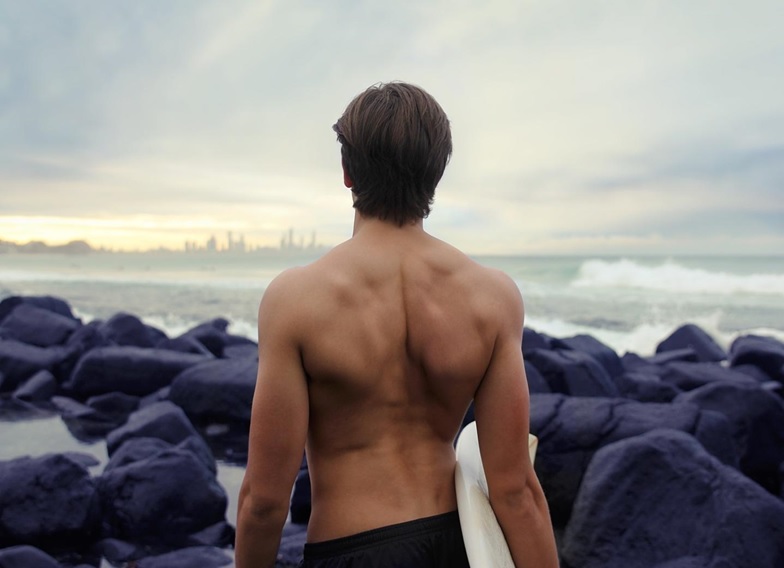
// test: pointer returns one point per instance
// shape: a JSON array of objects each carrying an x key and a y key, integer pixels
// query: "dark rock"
[
  {"x": 184, "y": 344},
  {"x": 754, "y": 372},
  {"x": 634, "y": 363},
  {"x": 160, "y": 499},
  {"x": 573, "y": 373},
  {"x": 50, "y": 303},
  {"x": 757, "y": 420},
  {"x": 690, "y": 336},
  {"x": 536, "y": 382},
  {"x": 221, "y": 389},
  {"x": 201, "y": 556},
  {"x": 162, "y": 420},
  {"x": 129, "y": 330},
  {"x": 766, "y": 353},
  {"x": 84, "y": 423},
  {"x": 41, "y": 386},
  {"x": 158, "y": 396},
  {"x": 50, "y": 499},
  {"x": 572, "y": 429},
  {"x": 119, "y": 551},
  {"x": 132, "y": 370},
  {"x": 136, "y": 449},
  {"x": 211, "y": 334},
  {"x": 603, "y": 354},
  {"x": 645, "y": 387},
  {"x": 37, "y": 326},
  {"x": 300, "y": 498},
  {"x": 292, "y": 543},
  {"x": 689, "y": 376},
  {"x": 660, "y": 497},
  {"x": 535, "y": 340},
  {"x": 26, "y": 556},
  {"x": 241, "y": 351},
  {"x": 20, "y": 361},
  {"x": 221, "y": 534},
  {"x": 116, "y": 406}
]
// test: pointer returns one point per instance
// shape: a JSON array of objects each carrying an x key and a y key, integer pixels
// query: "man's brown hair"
[{"x": 395, "y": 144}]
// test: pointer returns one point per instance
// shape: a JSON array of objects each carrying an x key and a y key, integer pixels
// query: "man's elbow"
[{"x": 262, "y": 509}]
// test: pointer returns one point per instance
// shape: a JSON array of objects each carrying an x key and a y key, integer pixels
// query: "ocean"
[{"x": 629, "y": 303}]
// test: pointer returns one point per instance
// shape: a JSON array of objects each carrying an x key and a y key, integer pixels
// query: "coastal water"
[{"x": 629, "y": 303}]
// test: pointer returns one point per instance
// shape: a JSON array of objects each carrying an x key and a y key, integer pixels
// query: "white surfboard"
[{"x": 484, "y": 541}]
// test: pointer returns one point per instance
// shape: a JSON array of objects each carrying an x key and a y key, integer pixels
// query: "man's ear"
[{"x": 347, "y": 181}]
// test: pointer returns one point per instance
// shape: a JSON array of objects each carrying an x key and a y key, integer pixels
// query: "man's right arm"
[{"x": 501, "y": 406}]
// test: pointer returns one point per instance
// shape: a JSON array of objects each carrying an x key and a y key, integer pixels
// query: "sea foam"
[{"x": 670, "y": 276}]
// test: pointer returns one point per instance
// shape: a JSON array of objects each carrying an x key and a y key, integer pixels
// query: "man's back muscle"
[{"x": 399, "y": 333}]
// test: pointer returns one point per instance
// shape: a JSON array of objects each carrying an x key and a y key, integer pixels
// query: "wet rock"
[
  {"x": 137, "y": 449},
  {"x": 536, "y": 382},
  {"x": 26, "y": 556},
  {"x": 184, "y": 344},
  {"x": 690, "y": 336},
  {"x": 201, "y": 556},
  {"x": 20, "y": 361},
  {"x": 161, "y": 499},
  {"x": 573, "y": 373},
  {"x": 115, "y": 406},
  {"x": 572, "y": 429},
  {"x": 757, "y": 421},
  {"x": 241, "y": 351},
  {"x": 292, "y": 543},
  {"x": 535, "y": 340},
  {"x": 766, "y": 353},
  {"x": 84, "y": 422},
  {"x": 50, "y": 499},
  {"x": 131, "y": 370},
  {"x": 40, "y": 387},
  {"x": 37, "y": 326},
  {"x": 221, "y": 390},
  {"x": 603, "y": 354},
  {"x": 645, "y": 387},
  {"x": 687, "y": 376},
  {"x": 163, "y": 420},
  {"x": 50, "y": 303},
  {"x": 659, "y": 498},
  {"x": 129, "y": 330}
]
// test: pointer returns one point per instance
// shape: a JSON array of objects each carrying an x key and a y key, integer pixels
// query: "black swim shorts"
[{"x": 432, "y": 542}]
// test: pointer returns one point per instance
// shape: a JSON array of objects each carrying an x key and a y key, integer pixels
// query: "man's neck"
[{"x": 375, "y": 225}]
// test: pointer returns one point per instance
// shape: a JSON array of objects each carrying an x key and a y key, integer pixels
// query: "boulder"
[
  {"x": 241, "y": 351},
  {"x": 162, "y": 420},
  {"x": 536, "y": 382},
  {"x": 766, "y": 353},
  {"x": 37, "y": 326},
  {"x": 161, "y": 499},
  {"x": 20, "y": 361},
  {"x": 757, "y": 421},
  {"x": 201, "y": 556},
  {"x": 220, "y": 390},
  {"x": 572, "y": 429},
  {"x": 84, "y": 422},
  {"x": 26, "y": 556},
  {"x": 136, "y": 449},
  {"x": 687, "y": 376},
  {"x": 50, "y": 303},
  {"x": 535, "y": 340},
  {"x": 659, "y": 498},
  {"x": 41, "y": 386},
  {"x": 292, "y": 543},
  {"x": 690, "y": 336},
  {"x": 131, "y": 370},
  {"x": 51, "y": 500},
  {"x": 184, "y": 344},
  {"x": 645, "y": 387},
  {"x": 573, "y": 373},
  {"x": 603, "y": 354},
  {"x": 212, "y": 335},
  {"x": 129, "y": 330},
  {"x": 116, "y": 406}
]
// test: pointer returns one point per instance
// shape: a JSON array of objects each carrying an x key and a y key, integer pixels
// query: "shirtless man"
[{"x": 369, "y": 358}]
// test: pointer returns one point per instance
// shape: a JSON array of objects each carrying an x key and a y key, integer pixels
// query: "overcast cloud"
[{"x": 579, "y": 126}]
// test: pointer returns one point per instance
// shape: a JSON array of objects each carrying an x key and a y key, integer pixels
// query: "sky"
[{"x": 579, "y": 126}]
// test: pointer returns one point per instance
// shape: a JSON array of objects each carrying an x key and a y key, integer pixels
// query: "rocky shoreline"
[{"x": 669, "y": 461}]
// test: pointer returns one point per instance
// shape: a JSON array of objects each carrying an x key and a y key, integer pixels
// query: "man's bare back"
[{"x": 398, "y": 333}]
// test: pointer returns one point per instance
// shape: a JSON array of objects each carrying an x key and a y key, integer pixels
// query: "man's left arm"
[{"x": 278, "y": 431}]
